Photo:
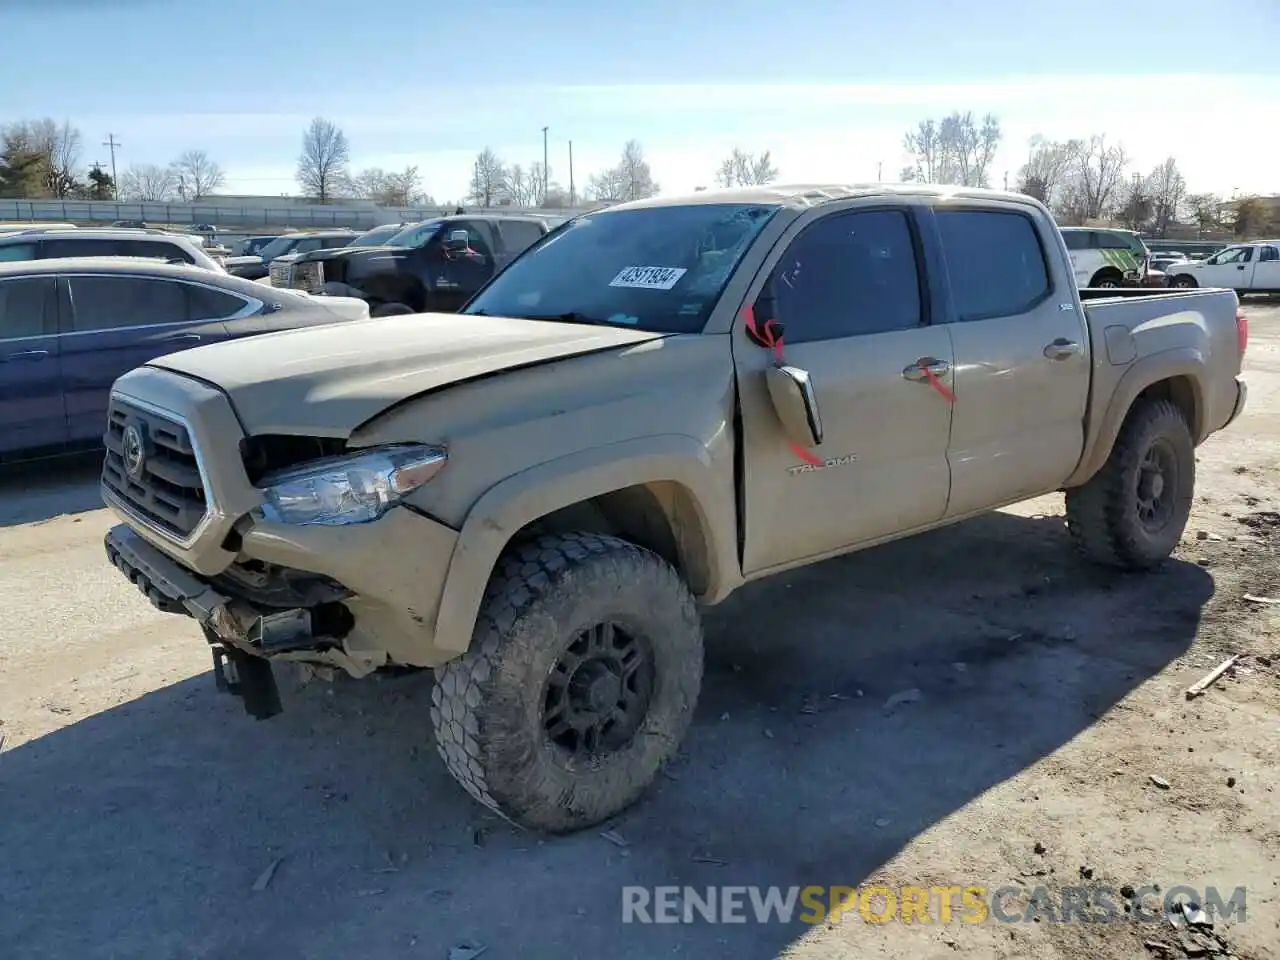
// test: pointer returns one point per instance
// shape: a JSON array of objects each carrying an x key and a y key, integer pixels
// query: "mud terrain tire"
[
  {"x": 550, "y": 599},
  {"x": 1132, "y": 513}
]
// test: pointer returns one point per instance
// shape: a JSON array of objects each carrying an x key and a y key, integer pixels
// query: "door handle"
[
  {"x": 916, "y": 372},
  {"x": 1062, "y": 349},
  {"x": 28, "y": 355},
  {"x": 1241, "y": 267},
  {"x": 181, "y": 337}
]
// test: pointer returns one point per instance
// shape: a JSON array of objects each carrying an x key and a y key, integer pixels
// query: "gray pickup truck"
[{"x": 653, "y": 405}]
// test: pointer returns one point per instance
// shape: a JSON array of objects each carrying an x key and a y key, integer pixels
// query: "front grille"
[
  {"x": 167, "y": 490},
  {"x": 308, "y": 276},
  {"x": 279, "y": 274}
]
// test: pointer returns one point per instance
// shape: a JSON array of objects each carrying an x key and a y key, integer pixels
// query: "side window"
[
  {"x": 157, "y": 249},
  {"x": 849, "y": 274},
  {"x": 995, "y": 262},
  {"x": 1076, "y": 239},
  {"x": 82, "y": 248},
  {"x": 13, "y": 252},
  {"x": 1269, "y": 254},
  {"x": 306, "y": 246},
  {"x": 110, "y": 302},
  {"x": 22, "y": 307},
  {"x": 519, "y": 235},
  {"x": 1112, "y": 241},
  {"x": 476, "y": 236},
  {"x": 1234, "y": 255},
  {"x": 205, "y": 303},
  {"x": 328, "y": 243}
]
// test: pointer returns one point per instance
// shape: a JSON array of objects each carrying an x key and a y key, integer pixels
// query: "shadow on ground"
[
  {"x": 40, "y": 489},
  {"x": 140, "y": 831}
]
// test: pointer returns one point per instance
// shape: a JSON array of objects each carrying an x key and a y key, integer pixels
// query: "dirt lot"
[{"x": 138, "y": 806}]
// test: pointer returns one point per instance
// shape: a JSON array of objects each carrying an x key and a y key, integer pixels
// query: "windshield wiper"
[{"x": 572, "y": 316}]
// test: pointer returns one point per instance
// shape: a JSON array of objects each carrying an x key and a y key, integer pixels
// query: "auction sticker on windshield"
[{"x": 648, "y": 278}]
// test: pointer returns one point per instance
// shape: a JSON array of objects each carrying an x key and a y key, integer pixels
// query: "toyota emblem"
[{"x": 133, "y": 452}]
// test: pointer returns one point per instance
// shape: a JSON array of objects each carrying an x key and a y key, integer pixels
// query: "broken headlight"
[{"x": 353, "y": 488}]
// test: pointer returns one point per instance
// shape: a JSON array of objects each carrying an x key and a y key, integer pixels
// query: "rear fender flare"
[
  {"x": 1185, "y": 362},
  {"x": 534, "y": 493}
]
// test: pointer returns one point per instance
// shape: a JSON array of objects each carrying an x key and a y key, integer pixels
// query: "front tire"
[
  {"x": 580, "y": 682},
  {"x": 1184, "y": 281},
  {"x": 1132, "y": 513}
]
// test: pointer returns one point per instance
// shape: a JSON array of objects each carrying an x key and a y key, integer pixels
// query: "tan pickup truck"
[{"x": 653, "y": 405}]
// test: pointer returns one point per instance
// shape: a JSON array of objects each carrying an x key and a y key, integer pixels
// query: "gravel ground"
[{"x": 138, "y": 807}]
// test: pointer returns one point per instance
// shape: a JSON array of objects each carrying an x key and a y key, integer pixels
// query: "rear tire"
[
  {"x": 1184, "y": 281},
  {"x": 1132, "y": 513},
  {"x": 390, "y": 310},
  {"x": 577, "y": 633}
]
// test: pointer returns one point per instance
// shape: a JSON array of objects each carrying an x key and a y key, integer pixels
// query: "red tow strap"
[{"x": 772, "y": 340}]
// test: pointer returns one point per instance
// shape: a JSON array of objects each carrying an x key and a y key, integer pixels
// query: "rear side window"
[
  {"x": 84, "y": 247},
  {"x": 1076, "y": 239},
  {"x": 1267, "y": 254},
  {"x": 1114, "y": 241},
  {"x": 110, "y": 302},
  {"x": 156, "y": 249},
  {"x": 204, "y": 303},
  {"x": 518, "y": 235},
  {"x": 995, "y": 262},
  {"x": 13, "y": 252},
  {"x": 328, "y": 243},
  {"x": 22, "y": 306}
]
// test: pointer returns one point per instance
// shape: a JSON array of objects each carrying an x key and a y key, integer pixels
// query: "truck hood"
[
  {"x": 342, "y": 253},
  {"x": 326, "y": 381}
]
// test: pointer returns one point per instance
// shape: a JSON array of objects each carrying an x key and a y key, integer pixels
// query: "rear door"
[
  {"x": 1021, "y": 356},
  {"x": 114, "y": 322},
  {"x": 32, "y": 413},
  {"x": 1266, "y": 274},
  {"x": 516, "y": 236}
]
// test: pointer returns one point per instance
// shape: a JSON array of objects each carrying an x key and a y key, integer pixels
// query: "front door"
[
  {"x": 1232, "y": 268},
  {"x": 114, "y": 322},
  {"x": 32, "y": 414},
  {"x": 1021, "y": 356},
  {"x": 455, "y": 275},
  {"x": 847, "y": 289}
]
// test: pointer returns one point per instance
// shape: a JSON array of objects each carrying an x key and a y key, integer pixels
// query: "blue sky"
[{"x": 828, "y": 87}]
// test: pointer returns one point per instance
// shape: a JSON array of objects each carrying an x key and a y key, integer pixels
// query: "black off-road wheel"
[
  {"x": 1132, "y": 513},
  {"x": 579, "y": 685}
]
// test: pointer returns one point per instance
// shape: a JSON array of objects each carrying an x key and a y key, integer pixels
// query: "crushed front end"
[{"x": 280, "y": 548}]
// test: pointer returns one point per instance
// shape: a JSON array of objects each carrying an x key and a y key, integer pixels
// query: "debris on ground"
[
  {"x": 1040, "y": 848},
  {"x": 1252, "y": 598},
  {"x": 617, "y": 839},
  {"x": 264, "y": 878},
  {"x": 1231, "y": 781},
  {"x": 1160, "y": 782},
  {"x": 1210, "y": 678},
  {"x": 903, "y": 697}
]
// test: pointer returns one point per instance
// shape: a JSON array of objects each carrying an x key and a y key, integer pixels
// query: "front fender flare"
[{"x": 526, "y": 496}]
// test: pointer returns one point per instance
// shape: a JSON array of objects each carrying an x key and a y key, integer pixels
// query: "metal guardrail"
[{"x": 362, "y": 217}]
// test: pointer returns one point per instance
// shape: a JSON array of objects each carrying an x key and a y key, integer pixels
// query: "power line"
[{"x": 113, "y": 143}]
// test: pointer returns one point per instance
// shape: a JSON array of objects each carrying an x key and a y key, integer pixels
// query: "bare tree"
[
  {"x": 630, "y": 179},
  {"x": 389, "y": 189},
  {"x": 52, "y": 155},
  {"x": 1205, "y": 209},
  {"x": 1166, "y": 188},
  {"x": 1096, "y": 174},
  {"x": 539, "y": 188},
  {"x": 521, "y": 187},
  {"x": 148, "y": 182},
  {"x": 197, "y": 176},
  {"x": 488, "y": 180},
  {"x": 741, "y": 169},
  {"x": 956, "y": 149},
  {"x": 323, "y": 167},
  {"x": 1048, "y": 163}
]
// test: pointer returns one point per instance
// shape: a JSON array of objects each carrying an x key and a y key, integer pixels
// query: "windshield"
[
  {"x": 656, "y": 268},
  {"x": 278, "y": 247},
  {"x": 416, "y": 235},
  {"x": 376, "y": 236}
]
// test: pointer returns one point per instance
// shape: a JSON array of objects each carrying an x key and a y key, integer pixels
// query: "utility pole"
[
  {"x": 573, "y": 199},
  {"x": 1006, "y": 179},
  {"x": 113, "y": 143},
  {"x": 880, "y": 171},
  {"x": 546, "y": 170}
]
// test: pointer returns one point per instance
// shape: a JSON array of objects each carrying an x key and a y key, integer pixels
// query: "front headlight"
[{"x": 353, "y": 488}]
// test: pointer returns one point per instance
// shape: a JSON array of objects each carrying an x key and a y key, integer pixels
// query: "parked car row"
[{"x": 70, "y": 326}]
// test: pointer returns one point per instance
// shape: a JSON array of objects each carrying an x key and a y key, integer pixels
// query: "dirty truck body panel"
[{"x": 934, "y": 338}]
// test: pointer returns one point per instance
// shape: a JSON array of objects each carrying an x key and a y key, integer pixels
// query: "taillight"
[{"x": 1242, "y": 330}]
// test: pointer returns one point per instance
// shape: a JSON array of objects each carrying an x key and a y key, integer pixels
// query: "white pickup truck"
[{"x": 1245, "y": 268}]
